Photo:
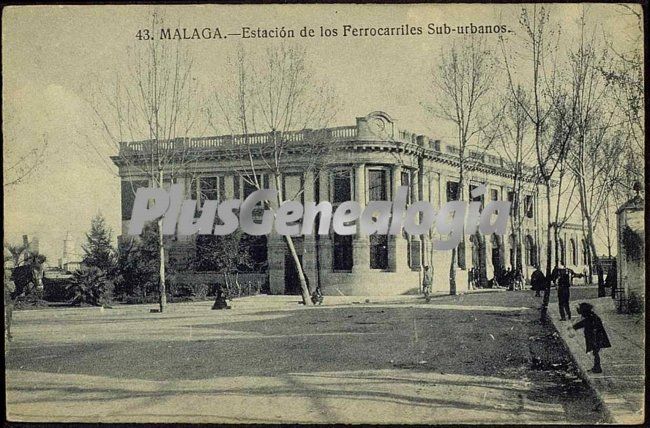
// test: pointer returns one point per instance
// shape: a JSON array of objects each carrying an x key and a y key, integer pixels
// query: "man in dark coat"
[
  {"x": 537, "y": 281},
  {"x": 595, "y": 335},
  {"x": 611, "y": 280},
  {"x": 563, "y": 278},
  {"x": 508, "y": 278}
]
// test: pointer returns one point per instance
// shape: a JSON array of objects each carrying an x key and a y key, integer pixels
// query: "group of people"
[{"x": 512, "y": 279}]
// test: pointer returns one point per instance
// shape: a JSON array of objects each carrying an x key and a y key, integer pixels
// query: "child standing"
[{"x": 595, "y": 334}]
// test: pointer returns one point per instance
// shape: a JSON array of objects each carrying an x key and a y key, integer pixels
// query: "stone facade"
[
  {"x": 368, "y": 161},
  {"x": 631, "y": 256}
]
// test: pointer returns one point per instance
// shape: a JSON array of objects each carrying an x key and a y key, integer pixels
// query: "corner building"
[{"x": 366, "y": 162}]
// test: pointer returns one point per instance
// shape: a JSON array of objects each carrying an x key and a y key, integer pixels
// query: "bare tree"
[
  {"x": 515, "y": 127},
  {"x": 146, "y": 113},
  {"x": 277, "y": 108},
  {"x": 595, "y": 155},
  {"x": 547, "y": 107},
  {"x": 461, "y": 84},
  {"x": 624, "y": 71},
  {"x": 17, "y": 166}
]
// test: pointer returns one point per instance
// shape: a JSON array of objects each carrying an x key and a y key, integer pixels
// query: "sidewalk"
[
  {"x": 290, "y": 301},
  {"x": 621, "y": 385}
]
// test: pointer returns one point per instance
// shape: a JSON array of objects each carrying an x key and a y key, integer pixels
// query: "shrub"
[
  {"x": 189, "y": 291},
  {"x": 236, "y": 288},
  {"x": 57, "y": 289},
  {"x": 90, "y": 285}
]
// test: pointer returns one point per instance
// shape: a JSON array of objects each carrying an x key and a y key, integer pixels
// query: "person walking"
[
  {"x": 612, "y": 280},
  {"x": 537, "y": 281},
  {"x": 585, "y": 273},
  {"x": 563, "y": 278},
  {"x": 508, "y": 278},
  {"x": 595, "y": 335},
  {"x": 427, "y": 283}
]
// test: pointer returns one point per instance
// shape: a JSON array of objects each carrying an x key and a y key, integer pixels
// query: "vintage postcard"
[{"x": 324, "y": 213}]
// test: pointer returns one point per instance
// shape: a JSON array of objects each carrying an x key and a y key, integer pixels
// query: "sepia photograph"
[{"x": 324, "y": 213}]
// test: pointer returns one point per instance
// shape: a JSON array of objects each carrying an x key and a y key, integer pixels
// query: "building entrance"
[{"x": 291, "y": 279}]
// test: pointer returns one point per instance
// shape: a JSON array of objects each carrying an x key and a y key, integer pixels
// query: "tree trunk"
[
  {"x": 599, "y": 268},
  {"x": 556, "y": 244},
  {"x": 452, "y": 274},
  {"x": 161, "y": 254},
  {"x": 547, "y": 184},
  {"x": 590, "y": 235},
  {"x": 453, "y": 289},
  {"x": 304, "y": 290}
]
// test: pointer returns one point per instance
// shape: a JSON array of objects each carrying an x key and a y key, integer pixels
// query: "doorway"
[{"x": 291, "y": 279}]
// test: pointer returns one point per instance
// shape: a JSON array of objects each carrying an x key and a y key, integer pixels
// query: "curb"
[{"x": 582, "y": 372}]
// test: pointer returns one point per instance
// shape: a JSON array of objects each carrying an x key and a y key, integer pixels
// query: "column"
[
  {"x": 324, "y": 241},
  {"x": 361, "y": 243},
  {"x": 229, "y": 185},
  {"x": 309, "y": 243},
  {"x": 276, "y": 249}
]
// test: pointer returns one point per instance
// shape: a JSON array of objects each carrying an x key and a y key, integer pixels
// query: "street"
[{"x": 480, "y": 357}]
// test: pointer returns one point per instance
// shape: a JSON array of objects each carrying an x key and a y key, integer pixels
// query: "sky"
[{"x": 52, "y": 55}]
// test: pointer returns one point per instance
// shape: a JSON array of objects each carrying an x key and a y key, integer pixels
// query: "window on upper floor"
[
  {"x": 293, "y": 187},
  {"x": 453, "y": 191},
  {"x": 514, "y": 204},
  {"x": 529, "y": 207},
  {"x": 341, "y": 186},
  {"x": 208, "y": 189},
  {"x": 405, "y": 179},
  {"x": 377, "y": 185},
  {"x": 480, "y": 198}
]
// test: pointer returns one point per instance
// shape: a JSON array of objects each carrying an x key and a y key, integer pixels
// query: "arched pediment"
[
  {"x": 376, "y": 126},
  {"x": 380, "y": 115}
]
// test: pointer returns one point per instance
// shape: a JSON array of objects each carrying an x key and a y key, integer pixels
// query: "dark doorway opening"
[{"x": 291, "y": 279}]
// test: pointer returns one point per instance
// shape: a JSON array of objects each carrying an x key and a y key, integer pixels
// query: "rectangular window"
[
  {"x": 405, "y": 178},
  {"x": 250, "y": 183},
  {"x": 511, "y": 199},
  {"x": 378, "y": 251},
  {"x": 494, "y": 195},
  {"x": 528, "y": 206},
  {"x": 128, "y": 195},
  {"x": 461, "y": 259},
  {"x": 414, "y": 254},
  {"x": 377, "y": 185},
  {"x": 341, "y": 186},
  {"x": 453, "y": 191},
  {"x": 208, "y": 189},
  {"x": 342, "y": 253},
  {"x": 249, "y": 186},
  {"x": 479, "y": 198}
]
